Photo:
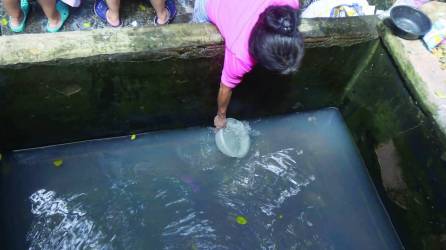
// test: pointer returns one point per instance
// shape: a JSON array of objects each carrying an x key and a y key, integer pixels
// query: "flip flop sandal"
[
  {"x": 64, "y": 13},
  {"x": 24, "y": 6},
  {"x": 100, "y": 9},
  {"x": 171, "y": 9}
]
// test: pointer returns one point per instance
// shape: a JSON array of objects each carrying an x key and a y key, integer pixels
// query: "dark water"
[{"x": 302, "y": 186}]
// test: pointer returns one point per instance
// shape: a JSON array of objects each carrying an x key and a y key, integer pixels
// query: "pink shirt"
[{"x": 235, "y": 20}]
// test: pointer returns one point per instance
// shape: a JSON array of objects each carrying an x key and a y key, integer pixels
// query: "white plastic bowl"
[{"x": 233, "y": 140}]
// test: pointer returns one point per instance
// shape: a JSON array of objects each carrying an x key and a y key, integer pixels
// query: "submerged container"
[{"x": 233, "y": 140}]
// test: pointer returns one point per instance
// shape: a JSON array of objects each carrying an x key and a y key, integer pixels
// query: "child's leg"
[
  {"x": 49, "y": 8},
  {"x": 113, "y": 12},
  {"x": 161, "y": 11},
  {"x": 13, "y": 9}
]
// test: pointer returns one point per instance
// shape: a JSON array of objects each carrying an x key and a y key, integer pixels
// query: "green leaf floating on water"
[
  {"x": 241, "y": 220},
  {"x": 133, "y": 137},
  {"x": 57, "y": 163}
]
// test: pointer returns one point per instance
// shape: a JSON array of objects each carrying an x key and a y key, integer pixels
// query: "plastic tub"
[{"x": 233, "y": 140}]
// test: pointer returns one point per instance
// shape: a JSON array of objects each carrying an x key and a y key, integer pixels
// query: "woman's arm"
[{"x": 223, "y": 99}]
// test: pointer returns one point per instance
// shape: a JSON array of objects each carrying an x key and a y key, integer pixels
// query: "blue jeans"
[{"x": 200, "y": 15}]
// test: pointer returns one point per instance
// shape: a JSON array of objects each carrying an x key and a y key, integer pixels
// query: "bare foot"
[
  {"x": 112, "y": 18},
  {"x": 54, "y": 22},
  {"x": 15, "y": 21},
  {"x": 163, "y": 17}
]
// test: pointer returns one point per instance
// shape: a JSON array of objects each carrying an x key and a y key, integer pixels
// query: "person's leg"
[
  {"x": 49, "y": 8},
  {"x": 161, "y": 11},
  {"x": 12, "y": 7},
  {"x": 113, "y": 12}
]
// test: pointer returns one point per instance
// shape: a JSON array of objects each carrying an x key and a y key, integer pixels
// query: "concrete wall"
[{"x": 157, "y": 43}]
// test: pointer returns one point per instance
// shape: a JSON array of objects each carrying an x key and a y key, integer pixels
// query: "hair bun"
[{"x": 281, "y": 19}]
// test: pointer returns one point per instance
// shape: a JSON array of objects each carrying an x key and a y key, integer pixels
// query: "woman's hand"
[
  {"x": 220, "y": 121},
  {"x": 224, "y": 96}
]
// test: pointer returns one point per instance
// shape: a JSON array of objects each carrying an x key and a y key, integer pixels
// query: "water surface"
[{"x": 302, "y": 185}]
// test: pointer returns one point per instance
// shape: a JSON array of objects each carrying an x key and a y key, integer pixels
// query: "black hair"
[{"x": 275, "y": 41}]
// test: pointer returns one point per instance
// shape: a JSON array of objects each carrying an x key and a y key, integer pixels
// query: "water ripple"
[{"x": 60, "y": 223}]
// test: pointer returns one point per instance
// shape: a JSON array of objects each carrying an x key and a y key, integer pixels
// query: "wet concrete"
[{"x": 134, "y": 13}]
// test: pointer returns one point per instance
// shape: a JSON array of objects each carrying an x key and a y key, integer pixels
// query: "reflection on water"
[{"x": 301, "y": 186}]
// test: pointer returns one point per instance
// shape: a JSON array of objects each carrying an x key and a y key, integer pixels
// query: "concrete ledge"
[
  {"x": 158, "y": 43},
  {"x": 422, "y": 73}
]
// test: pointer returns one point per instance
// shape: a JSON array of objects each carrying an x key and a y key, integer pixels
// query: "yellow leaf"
[
  {"x": 87, "y": 25},
  {"x": 142, "y": 7},
  {"x": 133, "y": 137},
  {"x": 57, "y": 163},
  {"x": 4, "y": 21},
  {"x": 241, "y": 220},
  {"x": 440, "y": 94}
]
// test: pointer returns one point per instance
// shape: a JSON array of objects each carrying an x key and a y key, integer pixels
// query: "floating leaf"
[
  {"x": 280, "y": 216},
  {"x": 57, "y": 163},
  {"x": 87, "y": 25},
  {"x": 440, "y": 94},
  {"x": 133, "y": 137},
  {"x": 241, "y": 220},
  {"x": 4, "y": 21},
  {"x": 142, "y": 7}
]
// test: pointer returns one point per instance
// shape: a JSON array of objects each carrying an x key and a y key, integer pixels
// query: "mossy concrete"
[
  {"x": 157, "y": 43},
  {"x": 58, "y": 103},
  {"x": 422, "y": 72},
  {"x": 385, "y": 119},
  {"x": 421, "y": 148}
]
